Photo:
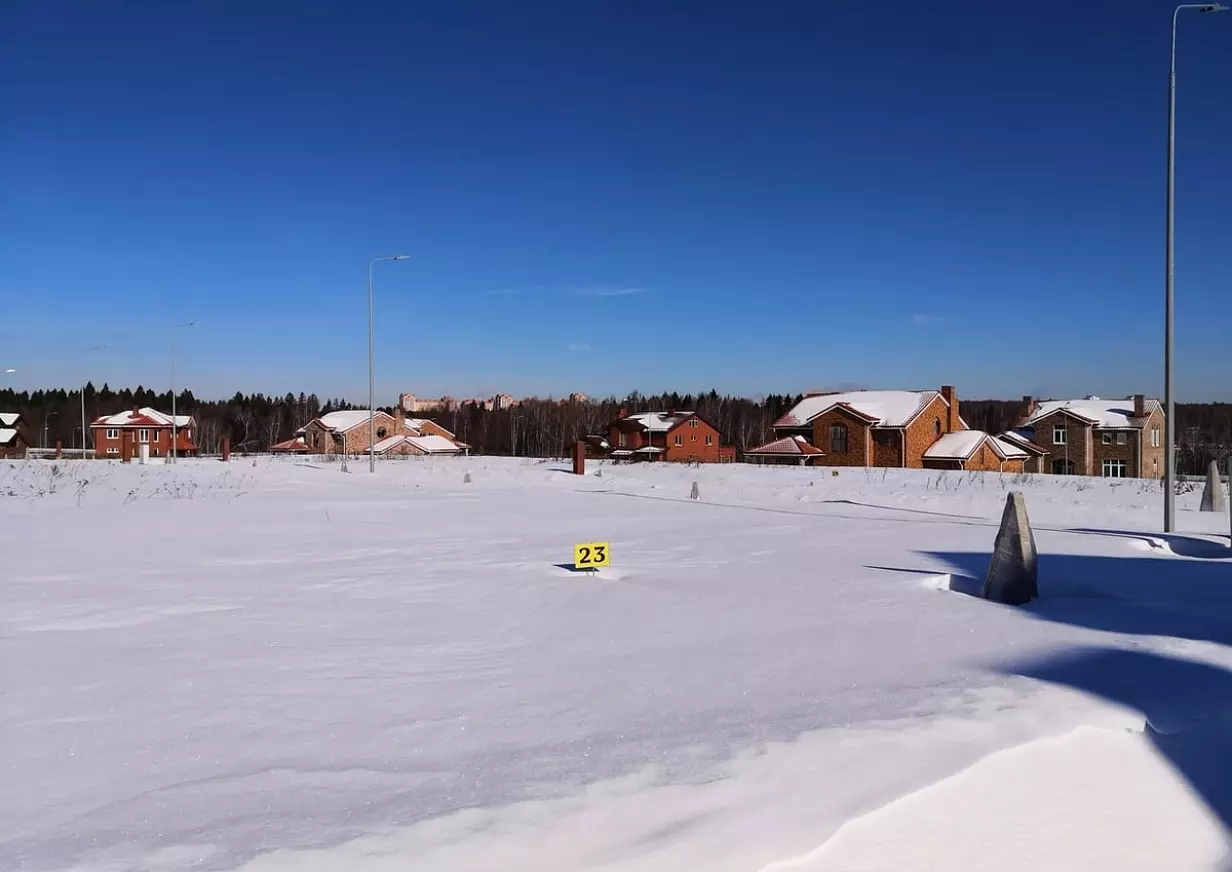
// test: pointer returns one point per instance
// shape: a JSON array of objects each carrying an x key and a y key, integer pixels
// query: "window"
[
  {"x": 679, "y": 439},
  {"x": 692, "y": 422},
  {"x": 884, "y": 438},
  {"x": 692, "y": 437},
  {"x": 1113, "y": 468},
  {"x": 143, "y": 435},
  {"x": 838, "y": 438},
  {"x": 1122, "y": 438},
  {"x": 623, "y": 440},
  {"x": 153, "y": 452},
  {"x": 115, "y": 434},
  {"x": 936, "y": 426},
  {"x": 1154, "y": 467},
  {"x": 1063, "y": 467},
  {"x": 381, "y": 432},
  {"x": 1058, "y": 434},
  {"x": 1106, "y": 438},
  {"x": 709, "y": 439},
  {"x": 1155, "y": 437}
]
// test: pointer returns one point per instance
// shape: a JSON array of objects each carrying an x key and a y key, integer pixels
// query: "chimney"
[
  {"x": 622, "y": 413},
  {"x": 1139, "y": 405},
  {"x": 947, "y": 393}
]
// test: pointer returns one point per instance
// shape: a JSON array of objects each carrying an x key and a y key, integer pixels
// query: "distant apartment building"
[
  {"x": 500, "y": 402},
  {"x": 145, "y": 431},
  {"x": 578, "y": 397},
  {"x": 409, "y": 403},
  {"x": 1121, "y": 438}
]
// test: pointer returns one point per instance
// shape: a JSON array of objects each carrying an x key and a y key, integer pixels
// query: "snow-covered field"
[{"x": 280, "y": 666}]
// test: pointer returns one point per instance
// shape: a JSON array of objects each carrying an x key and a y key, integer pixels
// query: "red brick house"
[
  {"x": 672, "y": 436},
  {"x": 872, "y": 428},
  {"x": 1121, "y": 438},
  {"x": 14, "y": 436},
  {"x": 126, "y": 435}
]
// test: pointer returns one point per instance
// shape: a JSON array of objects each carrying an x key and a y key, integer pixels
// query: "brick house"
[
  {"x": 126, "y": 435},
  {"x": 1120, "y": 438},
  {"x": 14, "y": 436},
  {"x": 672, "y": 436},
  {"x": 347, "y": 432}
]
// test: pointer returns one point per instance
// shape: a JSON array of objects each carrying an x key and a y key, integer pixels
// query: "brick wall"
[
  {"x": 1079, "y": 442},
  {"x": 1153, "y": 456},
  {"x": 859, "y": 440},
  {"x": 693, "y": 445},
  {"x": 1127, "y": 452},
  {"x": 887, "y": 448},
  {"x": 923, "y": 431}
]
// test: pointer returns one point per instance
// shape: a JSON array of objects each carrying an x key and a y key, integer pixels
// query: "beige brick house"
[
  {"x": 1121, "y": 438},
  {"x": 347, "y": 432},
  {"x": 904, "y": 429}
]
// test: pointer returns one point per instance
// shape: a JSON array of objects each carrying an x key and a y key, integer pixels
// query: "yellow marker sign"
[{"x": 592, "y": 555}]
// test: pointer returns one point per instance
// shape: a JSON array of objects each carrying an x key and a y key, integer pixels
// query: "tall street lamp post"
[
  {"x": 371, "y": 364},
  {"x": 1169, "y": 397}
]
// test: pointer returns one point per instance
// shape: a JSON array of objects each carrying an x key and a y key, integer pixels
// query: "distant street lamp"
[
  {"x": 46, "y": 418},
  {"x": 83, "y": 403},
  {"x": 174, "y": 420},
  {"x": 371, "y": 364},
  {"x": 1169, "y": 398}
]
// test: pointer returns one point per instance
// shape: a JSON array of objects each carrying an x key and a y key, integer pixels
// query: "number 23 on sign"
[{"x": 592, "y": 555}]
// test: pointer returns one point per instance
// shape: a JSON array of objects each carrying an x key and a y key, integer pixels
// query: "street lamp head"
[
  {"x": 1214, "y": 7},
  {"x": 401, "y": 257},
  {"x": 9, "y": 371}
]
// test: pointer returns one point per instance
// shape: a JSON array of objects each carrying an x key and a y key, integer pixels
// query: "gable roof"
[
  {"x": 7, "y": 435},
  {"x": 962, "y": 444},
  {"x": 659, "y": 422},
  {"x": 1116, "y": 414},
  {"x": 958, "y": 445},
  {"x": 295, "y": 443},
  {"x": 794, "y": 446},
  {"x": 416, "y": 425},
  {"x": 884, "y": 408},
  {"x": 1023, "y": 437},
  {"x": 9, "y": 419},
  {"x": 143, "y": 417},
  {"x": 433, "y": 444},
  {"x": 343, "y": 421}
]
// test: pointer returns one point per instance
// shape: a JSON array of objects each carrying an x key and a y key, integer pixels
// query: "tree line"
[{"x": 531, "y": 428}]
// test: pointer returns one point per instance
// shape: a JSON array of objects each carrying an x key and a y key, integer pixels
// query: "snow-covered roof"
[
  {"x": 385, "y": 444},
  {"x": 7, "y": 435},
  {"x": 416, "y": 425},
  {"x": 143, "y": 417},
  {"x": 433, "y": 444},
  {"x": 1101, "y": 413},
  {"x": 343, "y": 421},
  {"x": 293, "y": 444},
  {"x": 958, "y": 445},
  {"x": 1023, "y": 437},
  {"x": 1008, "y": 450},
  {"x": 649, "y": 449},
  {"x": 886, "y": 408},
  {"x": 795, "y": 445},
  {"x": 658, "y": 422},
  {"x": 9, "y": 419}
]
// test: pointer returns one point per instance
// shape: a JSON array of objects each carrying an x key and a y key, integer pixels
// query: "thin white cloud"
[
  {"x": 608, "y": 291},
  {"x": 578, "y": 346},
  {"x": 925, "y": 320}
]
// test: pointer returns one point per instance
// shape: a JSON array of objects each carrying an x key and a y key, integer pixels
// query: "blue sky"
[{"x": 604, "y": 196}]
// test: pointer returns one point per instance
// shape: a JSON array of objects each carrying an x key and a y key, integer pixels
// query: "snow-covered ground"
[{"x": 280, "y": 666}]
